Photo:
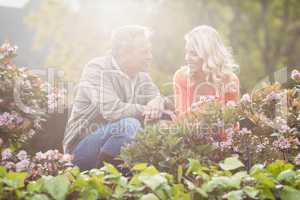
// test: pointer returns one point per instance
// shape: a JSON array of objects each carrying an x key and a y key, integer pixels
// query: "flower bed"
[
  {"x": 229, "y": 180},
  {"x": 24, "y": 100}
]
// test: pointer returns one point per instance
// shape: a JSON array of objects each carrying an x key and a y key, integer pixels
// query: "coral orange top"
[{"x": 187, "y": 92}]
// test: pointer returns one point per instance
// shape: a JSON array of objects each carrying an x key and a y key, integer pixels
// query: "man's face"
[
  {"x": 139, "y": 57},
  {"x": 192, "y": 58}
]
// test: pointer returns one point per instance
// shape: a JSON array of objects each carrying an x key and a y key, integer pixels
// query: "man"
[{"x": 114, "y": 95}]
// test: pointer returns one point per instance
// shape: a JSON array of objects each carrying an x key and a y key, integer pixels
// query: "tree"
[{"x": 263, "y": 34}]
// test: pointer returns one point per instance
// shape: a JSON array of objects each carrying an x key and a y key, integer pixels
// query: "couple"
[{"x": 115, "y": 94}]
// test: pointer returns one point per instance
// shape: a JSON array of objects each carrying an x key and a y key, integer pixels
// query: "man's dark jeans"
[{"x": 108, "y": 139}]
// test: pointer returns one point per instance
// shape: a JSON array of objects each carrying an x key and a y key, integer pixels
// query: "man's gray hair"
[{"x": 124, "y": 37}]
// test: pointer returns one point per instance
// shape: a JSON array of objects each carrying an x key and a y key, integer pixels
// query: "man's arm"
[
  {"x": 147, "y": 90},
  {"x": 98, "y": 88}
]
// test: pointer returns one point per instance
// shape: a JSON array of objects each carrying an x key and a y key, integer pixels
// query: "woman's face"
[{"x": 192, "y": 59}]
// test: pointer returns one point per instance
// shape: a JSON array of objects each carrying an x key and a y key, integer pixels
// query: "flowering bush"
[
  {"x": 24, "y": 100},
  {"x": 212, "y": 133},
  {"x": 201, "y": 135},
  {"x": 274, "y": 115},
  {"x": 48, "y": 163}
]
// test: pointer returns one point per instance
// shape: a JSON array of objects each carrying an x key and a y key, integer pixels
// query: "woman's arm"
[{"x": 180, "y": 93}]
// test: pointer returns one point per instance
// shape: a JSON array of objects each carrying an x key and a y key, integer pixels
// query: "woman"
[{"x": 208, "y": 71}]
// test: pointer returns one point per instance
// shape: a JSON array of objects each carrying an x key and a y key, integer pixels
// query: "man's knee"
[{"x": 131, "y": 126}]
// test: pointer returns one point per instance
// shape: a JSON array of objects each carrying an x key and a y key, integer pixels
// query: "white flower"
[
  {"x": 259, "y": 148},
  {"x": 22, "y": 155},
  {"x": 295, "y": 75},
  {"x": 6, "y": 154},
  {"x": 297, "y": 159},
  {"x": 22, "y": 165},
  {"x": 246, "y": 99},
  {"x": 273, "y": 96},
  {"x": 9, "y": 165},
  {"x": 40, "y": 156},
  {"x": 282, "y": 143},
  {"x": 245, "y": 131},
  {"x": 231, "y": 103},
  {"x": 67, "y": 158}
]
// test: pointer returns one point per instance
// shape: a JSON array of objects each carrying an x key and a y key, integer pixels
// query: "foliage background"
[{"x": 264, "y": 34}]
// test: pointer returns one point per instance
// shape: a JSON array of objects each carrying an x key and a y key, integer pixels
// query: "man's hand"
[
  {"x": 170, "y": 115},
  {"x": 154, "y": 109}
]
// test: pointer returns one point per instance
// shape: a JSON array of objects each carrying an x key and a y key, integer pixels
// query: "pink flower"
[
  {"x": 22, "y": 155},
  {"x": 6, "y": 154},
  {"x": 67, "y": 158},
  {"x": 4, "y": 119},
  {"x": 295, "y": 75},
  {"x": 273, "y": 96},
  {"x": 281, "y": 125},
  {"x": 245, "y": 131},
  {"x": 282, "y": 143},
  {"x": 10, "y": 120},
  {"x": 246, "y": 99},
  {"x": 9, "y": 165},
  {"x": 259, "y": 148},
  {"x": 22, "y": 165},
  {"x": 40, "y": 156},
  {"x": 53, "y": 154}
]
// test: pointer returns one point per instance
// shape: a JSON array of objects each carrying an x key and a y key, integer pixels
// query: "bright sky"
[
  {"x": 13, "y": 3},
  {"x": 21, "y": 3}
]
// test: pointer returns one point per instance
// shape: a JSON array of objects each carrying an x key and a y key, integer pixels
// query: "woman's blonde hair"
[{"x": 217, "y": 59}]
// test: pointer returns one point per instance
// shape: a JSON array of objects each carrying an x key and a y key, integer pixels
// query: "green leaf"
[
  {"x": 153, "y": 182},
  {"x": 179, "y": 173},
  {"x": 35, "y": 186},
  {"x": 98, "y": 184},
  {"x": 231, "y": 163},
  {"x": 140, "y": 167},
  {"x": 234, "y": 195},
  {"x": 266, "y": 193},
  {"x": 75, "y": 171},
  {"x": 277, "y": 167},
  {"x": 194, "y": 166},
  {"x": 151, "y": 170},
  {"x": 289, "y": 193},
  {"x": 266, "y": 179},
  {"x": 57, "y": 186},
  {"x": 251, "y": 192},
  {"x": 111, "y": 169},
  {"x": 224, "y": 182},
  {"x": 39, "y": 197},
  {"x": 3, "y": 171},
  {"x": 192, "y": 187},
  {"x": 258, "y": 168},
  {"x": 15, "y": 179},
  {"x": 149, "y": 196},
  {"x": 178, "y": 192},
  {"x": 90, "y": 194},
  {"x": 287, "y": 175}
]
